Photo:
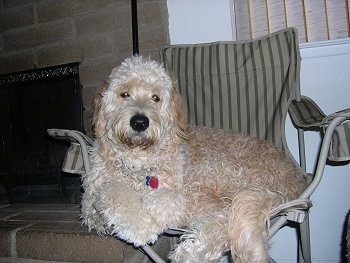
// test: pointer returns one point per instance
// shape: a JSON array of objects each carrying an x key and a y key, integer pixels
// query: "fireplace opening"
[{"x": 30, "y": 160}]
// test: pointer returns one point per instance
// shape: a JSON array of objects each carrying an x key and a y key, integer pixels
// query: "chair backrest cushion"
[{"x": 244, "y": 86}]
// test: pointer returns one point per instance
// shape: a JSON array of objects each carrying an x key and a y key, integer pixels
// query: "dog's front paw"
[
  {"x": 137, "y": 230},
  {"x": 166, "y": 206}
]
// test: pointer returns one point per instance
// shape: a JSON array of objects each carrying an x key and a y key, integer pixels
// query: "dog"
[{"x": 151, "y": 171}]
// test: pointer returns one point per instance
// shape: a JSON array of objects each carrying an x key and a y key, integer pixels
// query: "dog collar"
[
  {"x": 143, "y": 175},
  {"x": 152, "y": 181}
]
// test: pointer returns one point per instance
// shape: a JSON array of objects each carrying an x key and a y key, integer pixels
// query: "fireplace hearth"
[{"x": 30, "y": 160}]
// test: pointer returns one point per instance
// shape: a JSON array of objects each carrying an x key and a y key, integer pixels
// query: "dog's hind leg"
[{"x": 248, "y": 225}]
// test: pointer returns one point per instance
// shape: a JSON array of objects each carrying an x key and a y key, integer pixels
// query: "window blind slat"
[
  {"x": 295, "y": 17},
  {"x": 258, "y": 17},
  {"x": 242, "y": 16},
  {"x": 315, "y": 12},
  {"x": 337, "y": 19},
  {"x": 277, "y": 15},
  {"x": 315, "y": 20}
]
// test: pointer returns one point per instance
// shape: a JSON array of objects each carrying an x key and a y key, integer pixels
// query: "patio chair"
[{"x": 250, "y": 87}]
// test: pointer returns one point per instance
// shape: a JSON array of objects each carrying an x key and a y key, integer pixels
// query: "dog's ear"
[
  {"x": 178, "y": 114},
  {"x": 98, "y": 119}
]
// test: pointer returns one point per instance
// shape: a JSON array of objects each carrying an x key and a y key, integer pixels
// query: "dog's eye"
[
  {"x": 155, "y": 98},
  {"x": 125, "y": 95}
]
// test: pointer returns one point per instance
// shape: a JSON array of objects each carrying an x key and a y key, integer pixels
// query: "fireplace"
[{"x": 30, "y": 103}]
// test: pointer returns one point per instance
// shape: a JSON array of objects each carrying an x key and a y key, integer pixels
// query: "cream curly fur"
[{"x": 219, "y": 183}]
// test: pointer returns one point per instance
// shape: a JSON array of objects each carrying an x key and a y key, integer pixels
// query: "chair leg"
[
  {"x": 226, "y": 258},
  {"x": 152, "y": 254},
  {"x": 304, "y": 253}
]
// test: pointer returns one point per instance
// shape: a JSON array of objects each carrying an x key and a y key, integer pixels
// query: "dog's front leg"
[
  {"x": 167, "y": 206},
  {"x": 125, "y": 216}
]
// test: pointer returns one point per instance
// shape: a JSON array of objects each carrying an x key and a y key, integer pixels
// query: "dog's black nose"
[{"x": 139, "y": 122}]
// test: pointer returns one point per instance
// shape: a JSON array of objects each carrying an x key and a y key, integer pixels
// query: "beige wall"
[{"x": 40, "y": 33}]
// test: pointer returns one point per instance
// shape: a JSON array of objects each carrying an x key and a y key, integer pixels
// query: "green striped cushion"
[
  {"x": 340, "y": 145},
  {"x": 245, "y": 86}
]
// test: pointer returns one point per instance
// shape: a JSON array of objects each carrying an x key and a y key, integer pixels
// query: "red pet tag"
[{"x": 152, "y": 181}]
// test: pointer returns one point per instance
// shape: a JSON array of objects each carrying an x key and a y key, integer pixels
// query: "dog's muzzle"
[
  {"x": 137, "y": 135},
  {"x": 139, "y": 122}
]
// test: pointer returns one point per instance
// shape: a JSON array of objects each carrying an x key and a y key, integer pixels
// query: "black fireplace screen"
[{"x": 30, "y": 103}]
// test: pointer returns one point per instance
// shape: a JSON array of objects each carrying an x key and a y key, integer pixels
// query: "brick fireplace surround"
[{"x": 97, "y": 34}]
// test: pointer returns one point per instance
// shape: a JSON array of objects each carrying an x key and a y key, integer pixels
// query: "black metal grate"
[{"x": 30, "y": 103}]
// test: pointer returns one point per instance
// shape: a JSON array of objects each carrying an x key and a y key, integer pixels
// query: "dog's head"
[{"x": 139, "y": 105}]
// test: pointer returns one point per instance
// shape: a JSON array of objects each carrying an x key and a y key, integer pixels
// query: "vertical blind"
[{"x": 315, "y": 20}]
